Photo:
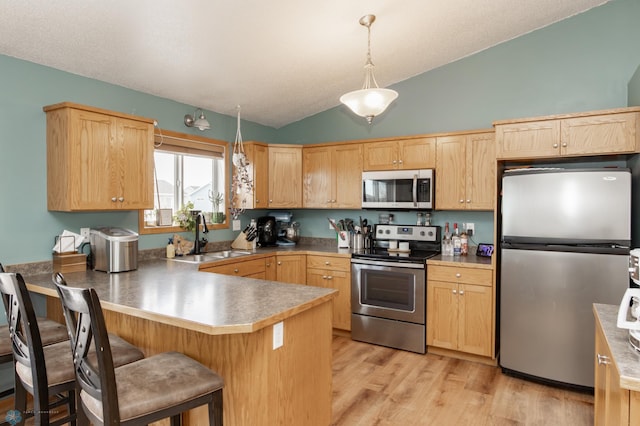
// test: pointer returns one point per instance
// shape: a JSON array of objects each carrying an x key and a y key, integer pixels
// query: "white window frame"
[{"x": 189, "y": 144}]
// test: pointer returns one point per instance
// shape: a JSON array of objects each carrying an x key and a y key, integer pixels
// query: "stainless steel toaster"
[{"x": 114, "y": 249}]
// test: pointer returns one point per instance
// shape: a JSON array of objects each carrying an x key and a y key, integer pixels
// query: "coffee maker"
[
  {"x": 267, "y": 231},
  {"x": 288, "y": 231}
]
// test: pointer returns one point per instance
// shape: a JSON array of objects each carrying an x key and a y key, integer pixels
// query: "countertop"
[
  {"x": 625, "y": 358},
  {"x": 470, "y": 260},
  {"x": 176, "y": 293}
]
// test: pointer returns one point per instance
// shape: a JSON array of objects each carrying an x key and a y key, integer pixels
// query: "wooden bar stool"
[
  {"x": 50, "y": 331},
  {"x": 46, "y": 372},
  {"x": 160, "y": 386}
]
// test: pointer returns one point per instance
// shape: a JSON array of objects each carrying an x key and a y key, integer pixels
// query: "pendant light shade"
[{"x": 369, "y": 101}]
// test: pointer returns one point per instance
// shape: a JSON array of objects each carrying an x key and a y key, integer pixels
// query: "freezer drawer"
[{"x": 546, "y": 319}]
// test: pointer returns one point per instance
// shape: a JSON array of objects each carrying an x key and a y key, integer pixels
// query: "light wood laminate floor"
[{"x": 374, "y": 385}]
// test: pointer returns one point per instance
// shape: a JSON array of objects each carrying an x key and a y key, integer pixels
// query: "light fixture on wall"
[
  {"x": 369, "y": 101},
  {"x": 200, "y": 123}
]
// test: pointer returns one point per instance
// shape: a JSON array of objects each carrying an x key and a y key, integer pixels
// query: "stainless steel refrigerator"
[{"x": 564, "y": 245}]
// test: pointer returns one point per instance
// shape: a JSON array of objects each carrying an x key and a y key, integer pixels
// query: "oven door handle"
[
  {"x": 388, "y": 264},
  {"x": 415, "y": 190}
]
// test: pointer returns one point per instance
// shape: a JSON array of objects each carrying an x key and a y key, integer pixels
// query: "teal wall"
[{"x": 583, "y": 63}]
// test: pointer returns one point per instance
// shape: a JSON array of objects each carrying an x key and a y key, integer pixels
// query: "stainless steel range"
[{"x": 388, "y": 286}]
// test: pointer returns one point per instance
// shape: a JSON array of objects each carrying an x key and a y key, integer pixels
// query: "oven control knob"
[
  {"x": 422, "y": 233},
  {"x": 431, "y": 233}
]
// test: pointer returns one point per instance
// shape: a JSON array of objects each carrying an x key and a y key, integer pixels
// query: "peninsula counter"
[{"x": 226, "y": 323}]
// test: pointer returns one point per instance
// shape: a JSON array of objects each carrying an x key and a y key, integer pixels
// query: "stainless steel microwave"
[{"x": 398, "y": 189}]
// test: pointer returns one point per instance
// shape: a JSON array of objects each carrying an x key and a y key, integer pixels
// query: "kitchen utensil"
[{"x": 337, "y": 229}]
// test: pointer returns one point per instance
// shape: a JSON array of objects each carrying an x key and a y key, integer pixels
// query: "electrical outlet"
[
  {"x": 470, "y": 228},
  {"x": 85, "y": 233},
  {"x": 236, "y": 224}
]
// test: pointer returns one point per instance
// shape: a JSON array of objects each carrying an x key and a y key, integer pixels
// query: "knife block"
[{"x": 241, "y": 243}]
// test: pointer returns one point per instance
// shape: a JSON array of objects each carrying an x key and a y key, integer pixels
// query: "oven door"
[{"x": 389, "y": 290}]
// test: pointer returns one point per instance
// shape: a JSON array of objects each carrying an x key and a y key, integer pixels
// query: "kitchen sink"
[{"x": 210, "y": 257}]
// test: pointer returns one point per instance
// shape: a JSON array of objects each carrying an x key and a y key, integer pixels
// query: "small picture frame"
[
  {"x": 165, "y": 217},
  {"x": 484, "y": 250}
]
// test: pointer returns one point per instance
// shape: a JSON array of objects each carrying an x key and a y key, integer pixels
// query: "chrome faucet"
[{"x": 199, "y": 218}]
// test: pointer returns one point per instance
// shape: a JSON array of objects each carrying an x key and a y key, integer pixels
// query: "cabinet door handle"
[
  {"x": 268, "y": 264},
  {"x": 555, "y": 145},
  {"x": 461, "y": 293},
  {"x": 462, "y": 201},
  {"x": 329, "y": 277},
  {"x": 564, "y": 144},
  {"x": 121, "y": 199},
  {"x": 468, "y": 201},
  {"x": 279, "y": 263},
  {"x": 603, "y": 360},
  {"x": 328, "y": 201},
  {"x": 394, "y": 162},
  {"x": 324, "y": 277},
  {"x": 257, "y": 201},
  {"x": 113, "y": 199},
  {"x": 271, "y": 201},
  {"x": 399, "y": 161},
  {"x": 454, "y": 291},
  {"x": 458, "y": 275}
]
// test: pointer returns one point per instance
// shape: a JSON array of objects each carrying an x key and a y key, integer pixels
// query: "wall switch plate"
[
  {"x": 85, "y": 233},
  {"x": 278, "y": 335},
  {"x": 236, "y": 225}
]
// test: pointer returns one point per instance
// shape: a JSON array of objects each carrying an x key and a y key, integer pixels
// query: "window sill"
[{"x": 143, "y": 229}]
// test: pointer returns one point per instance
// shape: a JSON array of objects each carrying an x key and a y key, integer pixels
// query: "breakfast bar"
[{"x": 271, "y": 342}]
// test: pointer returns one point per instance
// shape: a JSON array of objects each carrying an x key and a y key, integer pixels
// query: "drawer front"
[
  {"x": 460, "y": 275},
  {"x": 326, "y": 262},
  {"x": 240, "y": 269}
]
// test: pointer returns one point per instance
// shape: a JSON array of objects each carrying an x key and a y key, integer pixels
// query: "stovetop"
[{"x": 380, "y": 253}]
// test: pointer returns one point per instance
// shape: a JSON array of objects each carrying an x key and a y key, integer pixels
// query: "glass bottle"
[
  {"x": 447, "y": 248},
  {"x": 456, "y": 240}
]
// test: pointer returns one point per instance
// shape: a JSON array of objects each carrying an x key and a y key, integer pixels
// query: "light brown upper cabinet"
[
  {"x": 98, "y": 159},
  {"x": 465, "y": 172},
  {"x": 257, "y": 154},
  {"x": 407, "y": 154},
  {"x": 571, "y": 135},
  {"x": 285, "y": 176},
  {"x": 332, "y": 176}
]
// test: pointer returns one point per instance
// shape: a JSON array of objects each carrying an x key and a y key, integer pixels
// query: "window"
[{"x": 188, "y": 169}]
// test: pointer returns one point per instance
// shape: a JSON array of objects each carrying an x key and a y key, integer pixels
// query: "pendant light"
[{"x": 370, "y": 101}]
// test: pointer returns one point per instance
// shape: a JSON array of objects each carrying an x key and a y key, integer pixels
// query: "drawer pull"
[
  {"x": 279, "y": 263},
  {"x": 603, "y": 360},
  {"x": 458, "y": 275},
  {"x": 327, "y": 263},
  {"x": 235, "y": 270}
]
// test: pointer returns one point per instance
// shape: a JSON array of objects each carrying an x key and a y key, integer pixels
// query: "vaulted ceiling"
[{"x": 281, "y": 60}]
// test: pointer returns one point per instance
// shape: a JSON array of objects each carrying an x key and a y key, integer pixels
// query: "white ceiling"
[{"x": 281, "y": 60}]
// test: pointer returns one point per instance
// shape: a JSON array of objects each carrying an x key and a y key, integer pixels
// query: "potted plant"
[
  {"x": 185, "y": 218},
  {"x": 217, "y": 199}
]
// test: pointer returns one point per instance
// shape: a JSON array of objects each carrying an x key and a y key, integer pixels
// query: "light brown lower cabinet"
[
  {"x": 291, "y": 268},
  {"x": 613, "y": 405},
  {"x": 334, "y": 273},
  {"x": 459, "y": 309}
]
